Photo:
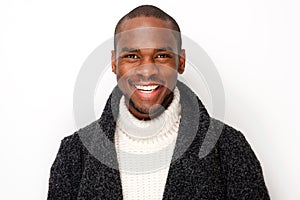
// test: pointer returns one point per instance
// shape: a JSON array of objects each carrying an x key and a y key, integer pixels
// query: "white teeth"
[{"x": 146, "y": 88}]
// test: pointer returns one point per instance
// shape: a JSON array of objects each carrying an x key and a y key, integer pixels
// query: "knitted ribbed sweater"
[{"x": 144, "y": 175}]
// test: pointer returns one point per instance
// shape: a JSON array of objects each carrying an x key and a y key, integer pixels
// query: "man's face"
[{"x": 146, "y": 63}]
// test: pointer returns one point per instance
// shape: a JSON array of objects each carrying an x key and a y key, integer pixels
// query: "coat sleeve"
[
  {"x": 64, "y": 171},
  {"x": 240, "y": 167}
]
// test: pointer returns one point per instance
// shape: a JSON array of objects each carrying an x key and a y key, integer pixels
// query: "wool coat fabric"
[{"x": 211, "y": 160}]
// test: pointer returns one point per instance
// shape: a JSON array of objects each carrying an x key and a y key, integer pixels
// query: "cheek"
[
  {"x": 125, "y": 70},
  {"x": 121, "y": 73},
  {"x": 171, "y": 79},
  {"x": 121, "y": 79},
  {"x": 170, "y": 74}
]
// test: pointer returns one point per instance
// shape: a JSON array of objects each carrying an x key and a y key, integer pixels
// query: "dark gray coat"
[{"x": 211, "y": 160}]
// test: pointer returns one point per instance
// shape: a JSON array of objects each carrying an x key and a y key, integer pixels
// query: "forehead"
[{"x": 146, "y": 32}]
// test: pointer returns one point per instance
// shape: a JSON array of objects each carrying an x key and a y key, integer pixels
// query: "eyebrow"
[
  {"x": 168, "y": 48},
  {"x": 132, "y": 50},
  {"x": 127, "y": 49}
]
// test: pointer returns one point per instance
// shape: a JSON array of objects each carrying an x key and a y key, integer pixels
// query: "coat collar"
[{"x": 103, "y": 178}]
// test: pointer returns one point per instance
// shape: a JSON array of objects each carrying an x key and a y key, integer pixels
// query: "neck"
[{"x": 141, "y": 128}]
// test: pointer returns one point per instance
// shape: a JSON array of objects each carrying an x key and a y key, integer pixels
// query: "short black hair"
[{"x": 149, "y": 11}]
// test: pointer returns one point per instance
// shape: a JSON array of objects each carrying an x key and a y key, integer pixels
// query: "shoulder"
[
  {"x": 233, "y": 139},
  {"x": 228, "y": 141},
  {"x": 69, "y": 145},
  {"x": 82, "y": 141},
  {"x": 232, "y": 145},
  {"x": 228, "y": 136},
  {"x": 73, "y": 141}
]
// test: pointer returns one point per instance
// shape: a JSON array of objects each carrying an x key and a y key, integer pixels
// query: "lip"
[
  {"x": 146, "y": 88},
  {"x": 148, "y": 95},
  {"x": 144, "y": 83},
  {"x": 142, "y": 89}
]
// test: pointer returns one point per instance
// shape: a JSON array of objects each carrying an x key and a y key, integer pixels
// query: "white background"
[{"x": 43, "y": 44}]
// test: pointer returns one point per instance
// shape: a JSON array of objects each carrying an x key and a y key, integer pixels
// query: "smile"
[{"x": 146, "y": 89}]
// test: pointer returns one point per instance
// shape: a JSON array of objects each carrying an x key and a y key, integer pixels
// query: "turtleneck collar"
[{"x": 158, "y": 127}]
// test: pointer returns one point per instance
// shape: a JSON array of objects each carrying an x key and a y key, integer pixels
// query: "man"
[{"x": 148, "y": 141}]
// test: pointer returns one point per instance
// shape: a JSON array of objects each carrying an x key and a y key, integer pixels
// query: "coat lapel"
[
  {"x": 100, "y": 176},
  {"x": 193, "y": 126}
]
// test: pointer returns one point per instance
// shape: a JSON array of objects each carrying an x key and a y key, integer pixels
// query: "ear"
[
  {"x": 181, "y": 66},
  {"x": 113, "y": 62}
]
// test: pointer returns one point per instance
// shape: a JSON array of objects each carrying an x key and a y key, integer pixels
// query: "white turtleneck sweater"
[{"x": 145, "y": 149}]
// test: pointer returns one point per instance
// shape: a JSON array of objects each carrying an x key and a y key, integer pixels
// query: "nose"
[{"x": 147, "y": 68}]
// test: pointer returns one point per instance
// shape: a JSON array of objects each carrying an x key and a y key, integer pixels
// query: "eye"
[
  {"x": 164, "y": 55},
  {"x": 131, "y": 56}
]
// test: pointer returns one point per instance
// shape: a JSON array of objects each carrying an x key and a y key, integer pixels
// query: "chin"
[{"x": 145, "y": 108}]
